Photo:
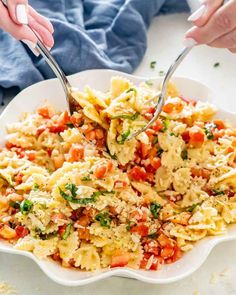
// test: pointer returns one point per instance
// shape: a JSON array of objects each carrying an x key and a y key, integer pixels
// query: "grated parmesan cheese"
[{"x": 6, "y": 289}]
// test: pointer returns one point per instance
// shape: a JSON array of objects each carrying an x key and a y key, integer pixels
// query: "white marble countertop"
[{"x": 164, "y": 37}]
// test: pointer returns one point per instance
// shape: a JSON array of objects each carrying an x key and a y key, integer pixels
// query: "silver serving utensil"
[
  {"x": 162, "y": 94},
  {"x": 68, "y": 89}
]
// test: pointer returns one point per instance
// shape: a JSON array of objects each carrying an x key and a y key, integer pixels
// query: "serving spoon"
[{"x": 67, "y": 87}]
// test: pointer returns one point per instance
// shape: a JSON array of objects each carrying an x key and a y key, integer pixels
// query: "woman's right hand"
[{"x": 17, "y": 14}]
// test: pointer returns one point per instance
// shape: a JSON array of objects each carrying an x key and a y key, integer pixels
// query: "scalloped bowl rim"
[{"x": 169, "y": 273}]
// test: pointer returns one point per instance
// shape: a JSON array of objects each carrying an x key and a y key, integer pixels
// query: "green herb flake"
[
  {"x": 70, "y": 125},
  {"x": 217, "y": 192},
  {"x": 161, "y": 73},
  {"x": 192, "y": 207},
  {"x": 184, "y": 155},
  {"x": 67, "y": 231},
  {"x": 155, "y": 140},
  {"x": 26, "y": 206},
  {"x": 208, "y": 129},
  {"x": 216, "y": 65},
  {"x": 104, "y": 219},
  {"x": 123, "y": 137},
  {"x": 149, "y": 83},
  {"x": 166, "y": 124},
  {"x": 15, "y": 205},
  {"x": 35, "y": 187},
  {"x": 160, "y": 152},
  {"x": 153, "y": 64},
  {"x": 132, "y": 90},
  {"x": 128, "y": 117},
  {"x": 152, "y": 236},
  {"x": 130, "y": 224},
  {"x": 155, "y": 209},
  {"x": 86, "y": 178}
]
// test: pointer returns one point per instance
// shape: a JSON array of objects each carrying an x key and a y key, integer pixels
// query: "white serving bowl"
[{"x": 51, "y": 91}]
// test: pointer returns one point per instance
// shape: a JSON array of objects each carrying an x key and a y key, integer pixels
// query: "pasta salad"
[{"x": 75, "y": 188}]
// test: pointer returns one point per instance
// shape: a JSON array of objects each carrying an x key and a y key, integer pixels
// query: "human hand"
[
  {"x": 214, "y": 25},
  {"x": 16, "y": 15}
]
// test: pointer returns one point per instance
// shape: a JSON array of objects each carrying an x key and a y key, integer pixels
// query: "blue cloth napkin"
[{"x": 88, "y": 34}]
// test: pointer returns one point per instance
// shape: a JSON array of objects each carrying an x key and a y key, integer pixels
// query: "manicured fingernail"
[
  {"x": 21, "y": 14},
  {"x": 197, "y": 14},
  {"x": 189, "y": 42},
  {"x": 31, "y": 46}
]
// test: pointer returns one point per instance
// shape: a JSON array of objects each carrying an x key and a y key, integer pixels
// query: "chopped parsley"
[
  {"x": 132, "y": 90},
  {"x": 123, "y": 137},
  {"x": 86, "y": 178},
  {"x": 153, "y": 64},
  {"x": 155, "y": 140},
  {"x": 67, "y": 231},
  {"x": 155, "y": 209},
  {"x": 192, "y": 207},
  {"x": 104, "y": 219},
  {"x": 161, "y": 73},
  {"x": 26, "y": 206},
  {"x": 217, "y": 192},
  {"x": 216, "y": 65},
  {"x": 83, "y": 201},
  {"x": 70, "y": 125},
  {"x": 166, "y": 124},
  {"x": 15, "y": 205},
  {"x": 209, "y": 130},
  {"x": 130, "y": 224},
  {"x": 35, "y": 187},
  {"x": 160, "y": 152},
  {"x": 128, "y": 117},
  {"x": 152, "y": 236},
  {"x": 184, "y": 155}
]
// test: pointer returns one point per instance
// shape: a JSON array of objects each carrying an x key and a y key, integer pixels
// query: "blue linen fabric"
[{"x": 88, "y": 34}]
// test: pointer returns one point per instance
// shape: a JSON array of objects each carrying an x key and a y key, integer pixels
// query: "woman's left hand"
[{"x": 214, "y": 25}]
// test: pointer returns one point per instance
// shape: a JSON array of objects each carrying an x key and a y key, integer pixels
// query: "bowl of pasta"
[{"x": 86, "y": 203}]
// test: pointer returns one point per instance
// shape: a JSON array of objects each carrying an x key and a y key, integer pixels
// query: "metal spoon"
[
  {"x": 162, "y": 94},
  {"x": 68, "y": 89}
]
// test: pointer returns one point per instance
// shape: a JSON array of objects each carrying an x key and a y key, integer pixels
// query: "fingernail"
[
  {"x": 31, "y": 46},
  {"x": 197, "y": 14},
  {"x": 21, "y": 14},
  {"x": 189, "y": 42}
]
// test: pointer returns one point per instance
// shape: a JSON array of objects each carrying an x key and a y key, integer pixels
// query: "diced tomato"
[
  {"x": 56, "y": 128},
  {"x": 157, "y": 126},
  {"x": 229, "y": 150},
  {"x": 100, "y": 172},
  {"x": 177, "y": 254},
  {"x": 167, "y": 252},
  {"x": 91, "y": 135},
  {"x": 84, "y": 220},
  {"x": 138, "y": 173},
  {"x": 156, "y": 163},
  {"x": 44, "y": 112},
  {"x": 138, "y": 215},
  {"x": 152, "y": 247},
  {"x": 219, "y": 124},
  {"x": 120, "y": 260},
  {"x": 76, "y": 153},
  {"x": 9, "y": 145},
  {"x": 21, "y": 231},
  {"x": 76, "y": 119},
  {"x": 163, "y": 240},
  {"x": 140, "y": 229},
  {"x": 57, "y": 217},
  {"x": 31, "y": 155},
  {"x": 58, "y": 161},
  {"x": 201, "y": 172},
  {"x": 186, "y": 136},
  {"x": 99, "y": 133},
  {"x": 61, "y": 229},
  {"x": 218, "y": 134},
  {"x": 63, "y": 119},
  {"x": 175, "y": 106},
  {"x": 197, "y": 137},
  {"x": 156, "y": 262},
  {"x": 83, "y": 234},
  {"x": 18, "y": 178},
  {"x": 56, "y": 256},
  {"x": 112, "y": 210},
  {"x": 145, "y": 149},
  {"x": 109, "y": 166},
  {"x": 41, "y": 129}
]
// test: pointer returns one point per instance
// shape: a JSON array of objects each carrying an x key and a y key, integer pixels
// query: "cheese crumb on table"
[{"x": 6, "y": 289}]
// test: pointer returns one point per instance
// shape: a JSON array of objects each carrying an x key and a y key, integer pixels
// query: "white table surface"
[{"x": 164, "y": 38}]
